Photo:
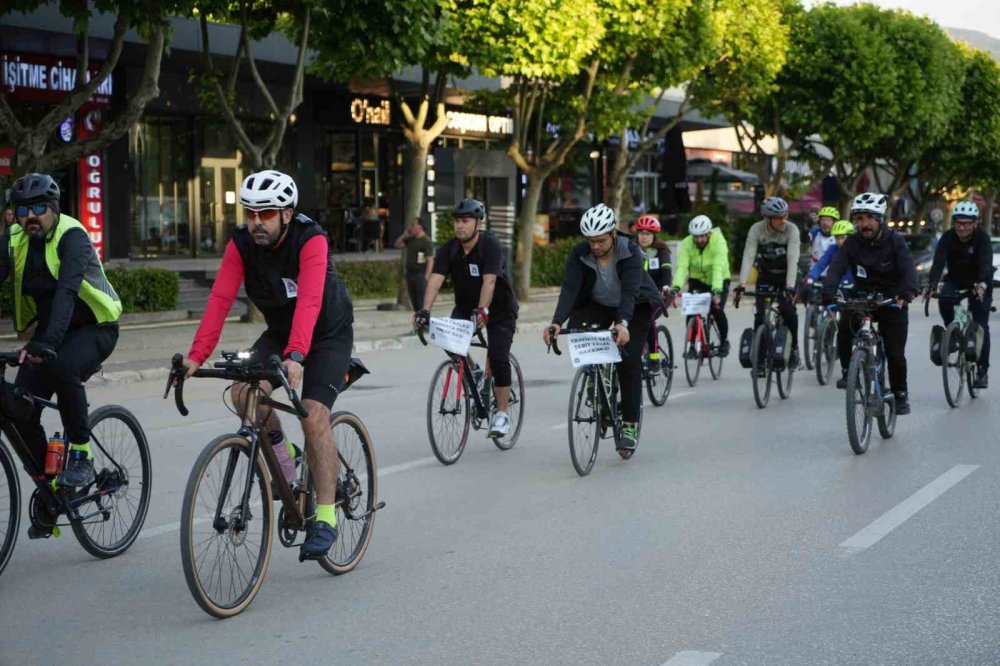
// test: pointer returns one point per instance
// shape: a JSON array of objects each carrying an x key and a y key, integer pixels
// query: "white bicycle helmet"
[
  {"x": 699, "y": 225},
  {"x": 966, "y": 209},
  {"x": 774, "y": 207},
  {"x": 597, "y": 221},
  {"x": 870, "y": 202},
  {"x": 269, "y": 189}
]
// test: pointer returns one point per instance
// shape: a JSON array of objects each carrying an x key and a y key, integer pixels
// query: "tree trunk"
[
  {"x": 526, "y": 234},
  {"x": 413, "y": 191},
  {"x": 619, "y": 175}
]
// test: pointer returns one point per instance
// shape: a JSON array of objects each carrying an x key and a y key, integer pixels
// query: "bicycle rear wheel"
[
  {"x": 714, "y": 351},
  {"x": 887, "y": 416},
  {"x": 692, "y": 353},
  {"x": 584, "y": 409},
  {"x": 225, "y": 558},
  {"x": 10, "y": 506},
  {"x": 110, "y": 523},
  {"x": 357, "y": 493},
  {"x": 515, "y": 407},
  {"x": 658, "y": 383},
  {"x": 826, "y": 350},
  {"x": 971, "y": 371},
  {"x": 448, "y": 413},
  {"x": 952, "y": 360},
  {"x": 811, "y": 337},
  {"x": 760, "y": 366},
  {"x": 859, "y": 394}
]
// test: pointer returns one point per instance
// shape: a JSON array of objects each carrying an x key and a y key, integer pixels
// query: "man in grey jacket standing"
[{"x": 773, "y": 246}]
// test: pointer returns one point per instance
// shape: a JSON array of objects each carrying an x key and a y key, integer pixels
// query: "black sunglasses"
[{"x": 36, "y": 208}]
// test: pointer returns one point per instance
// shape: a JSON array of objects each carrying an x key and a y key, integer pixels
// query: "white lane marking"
[
  {"x": 402, "y": 467},
  {"x": 559, "y": 426},
  {"x": 906, "y": 509},
  {"x": 692, "y": 658}
]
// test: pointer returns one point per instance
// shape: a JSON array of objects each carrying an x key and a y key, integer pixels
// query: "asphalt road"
[{"x": 734, "y": 536}]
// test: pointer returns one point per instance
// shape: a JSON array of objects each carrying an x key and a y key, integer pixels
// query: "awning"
[{"x": 701, "y": 169}]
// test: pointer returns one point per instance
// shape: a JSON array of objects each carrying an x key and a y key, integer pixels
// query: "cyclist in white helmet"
[
  {"x": 283, "y": 260},
  {"x": 604, "y": 284}
]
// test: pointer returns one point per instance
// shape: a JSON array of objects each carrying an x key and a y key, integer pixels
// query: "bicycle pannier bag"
[
  {"x": 937, "y": 331},
  {"x": 782, "y": 346},
  {"x": 973, "y": 341},
  {"x": 746, "y": 341}
]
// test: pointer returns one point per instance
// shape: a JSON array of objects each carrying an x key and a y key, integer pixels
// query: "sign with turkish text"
[
  {"x": 696, "y": 304},
  {"x": 452, "y": 335},
  {"x": 91, "y": 170},
  {"x": 593, "y": 348},
  {"x": 39, "y": 78}
]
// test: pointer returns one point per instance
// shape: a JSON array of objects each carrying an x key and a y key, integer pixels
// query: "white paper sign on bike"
[
  {"x": 452, "y": 335},
  {"x": 593, "y": 348},
  {"x": 696, "y": 304}
]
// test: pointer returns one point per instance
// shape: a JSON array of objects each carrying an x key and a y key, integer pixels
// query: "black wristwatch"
[{"x": 295, "y": 356}]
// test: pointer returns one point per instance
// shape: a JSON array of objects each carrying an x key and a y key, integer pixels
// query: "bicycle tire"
[
  {"x": 583, "y": 419},
  {"x": 658, "y": 384},
  {"x": 10, "y": 517},
  {"x": 826, "y": 351},
  {"x": 120, "y": 498},
  {"x": 952, "y": 365},
  {"x": 887, "y": 416},
  {"x": 195, "y": 514},
  {"x": 784, "y": 381},
  {"x": 356, "y": 511},
  {"x": 760, "y": 366},
  {"x": 692, "y": 353},
  {"x": 714, "y": 357},
  {"x": 858, "y": 402},
  {"x": 515, "y": 407},
  {"x": 811, "y": 338},
  {"x": 971, "y": 371},
  {"x": 449, "y": 439}
]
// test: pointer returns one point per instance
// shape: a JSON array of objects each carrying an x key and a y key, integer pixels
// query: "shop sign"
[
  {"x": 462, "y": 123},
  {"x": 38, "y": 78},
  {"x": 6, "y": 161},
  {"x": 370, "y": 113},
  {"x": 91, "y": 170}
]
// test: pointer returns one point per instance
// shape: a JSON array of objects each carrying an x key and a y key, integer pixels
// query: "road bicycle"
[
  {"x": 702, "y": 343},
  {"x": 811, "y": 331},
  {"x": 959, "y": 361},
  {"x": 658, "y": 361},
  {"x": 770, "y": 357},
  {"x": 867, "y": 395},
  {"x": 107, "y": 514},
  {"x": 595, "y": 410},
  {"x": 457, "y": 399},
  {"x": 227, "y": 517}
]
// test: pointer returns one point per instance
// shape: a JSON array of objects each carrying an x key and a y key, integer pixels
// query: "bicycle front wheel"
[
  {"x": 357, "y": 493},
  {"x": 760, "y": 366},
  {"x": 859, "y": 394},
  {"x": 584, "y": 410},
  {"x": 811, "y": 338},
  {"x": 658, "y": 383},
  {"x": 110, "y": 523},
  {"x": 448, "y": 413},
  {"x": 692, "y": 353},
  {"x": 952, "y": 364},
  {"x": 10, "y": 506},
  {"x": 515, "y": 407},
  {"x": 226, "y": 544},
  {"x": 784, "y": 381},
  {"x": 826, "y": 350},
  {"x": 714, "y": 350}
]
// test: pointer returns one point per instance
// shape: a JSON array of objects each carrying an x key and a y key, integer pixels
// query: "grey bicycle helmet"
[
  {"x": 34, "y": 187},
  {"x": 470, "y": 208},
  {"x": 774, "y": 207},
  {"x": 699, "y": 225},
  {"x": 597, "y": 221}
]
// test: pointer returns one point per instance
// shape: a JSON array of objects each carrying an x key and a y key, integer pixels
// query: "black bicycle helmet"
[
  {"x": 34, "y": 187},
  {"x": 470, "y": 208}
]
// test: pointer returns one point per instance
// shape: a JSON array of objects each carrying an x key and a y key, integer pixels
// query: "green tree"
[
  {"x": 31, "y": 135},
  {"x": 256, "y": 19},
  {"x": 548, "y": 53}
]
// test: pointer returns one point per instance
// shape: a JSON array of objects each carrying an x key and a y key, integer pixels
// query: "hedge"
[
  {"x": 144, "y": 289},
  {"x": 548, "y": 262},
  {"x": 369, "y": 279}
]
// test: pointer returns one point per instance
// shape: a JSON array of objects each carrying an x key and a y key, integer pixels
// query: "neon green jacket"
[{"x": 710, "y": 265}]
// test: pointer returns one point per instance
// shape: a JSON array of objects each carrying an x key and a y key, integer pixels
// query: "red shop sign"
[
  {"x": 39, "y": 78},
  {"x": 6, "y": 161},
  {"x": 91, "y": 169}
]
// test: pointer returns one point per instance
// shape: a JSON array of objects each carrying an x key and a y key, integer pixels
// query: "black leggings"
[
  {"x": 593, "y": 314},
  {"x": 789, "y": 315},
  {"x": 79, "y": 356},
  {"x": 893, "y": 325}
]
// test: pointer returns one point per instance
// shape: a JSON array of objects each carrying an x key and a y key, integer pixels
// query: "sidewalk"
[{"x": 144, "y": 349}]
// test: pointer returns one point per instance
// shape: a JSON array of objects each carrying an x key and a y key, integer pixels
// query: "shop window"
[{"x": 161, "y": 155}]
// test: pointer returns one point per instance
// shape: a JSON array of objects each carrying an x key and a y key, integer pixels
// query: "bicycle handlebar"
[
  {"x": 13, "y": 359},
  {"x": 235, "y": 370},
  {"x": 864, "y": 304}
]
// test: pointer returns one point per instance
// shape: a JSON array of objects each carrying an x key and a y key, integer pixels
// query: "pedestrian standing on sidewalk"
[{"x": 418, "y": 260}]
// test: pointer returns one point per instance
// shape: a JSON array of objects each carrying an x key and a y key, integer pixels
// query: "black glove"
[
  {"x": 421, "y": 318},
  {"x": 39, "y": 349}
]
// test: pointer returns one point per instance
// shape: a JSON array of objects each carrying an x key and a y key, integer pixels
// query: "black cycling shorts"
[{"x": 324, "y": 368}]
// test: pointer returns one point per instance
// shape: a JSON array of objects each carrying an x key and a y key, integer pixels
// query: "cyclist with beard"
[
  {"x": 703, "y": 262},
  {"x": 283, "y": 260},
  {"x": 882, "y": 264},
  {"x": 476, "y": 263}
]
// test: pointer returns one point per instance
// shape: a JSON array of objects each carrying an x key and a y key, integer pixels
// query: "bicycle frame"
[
  {"x": 604, "y": 378},
  {"x": 483, "y": 402}
]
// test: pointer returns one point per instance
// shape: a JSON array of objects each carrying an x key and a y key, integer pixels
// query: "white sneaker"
[{"x": 501, "y": 425}]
